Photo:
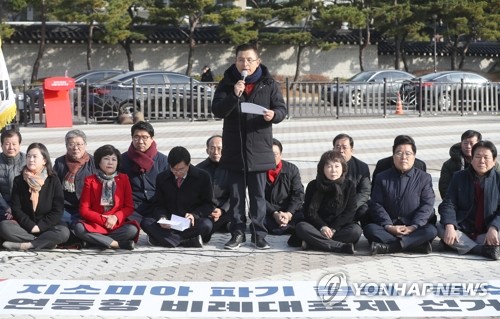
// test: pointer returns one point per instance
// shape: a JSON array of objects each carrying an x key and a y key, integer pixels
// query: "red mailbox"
[{"x": 58, "y": 112}]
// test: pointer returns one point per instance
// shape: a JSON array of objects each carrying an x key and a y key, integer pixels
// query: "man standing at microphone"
[{"x": 248, "y": 140}]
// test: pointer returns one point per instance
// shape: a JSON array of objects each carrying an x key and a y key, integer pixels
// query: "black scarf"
[
  {"x": 323, "y": 187},
  {"x": 252, "y": 78}
]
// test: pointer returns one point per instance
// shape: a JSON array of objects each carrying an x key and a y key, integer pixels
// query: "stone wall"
[{"x": 341, "y": 62}]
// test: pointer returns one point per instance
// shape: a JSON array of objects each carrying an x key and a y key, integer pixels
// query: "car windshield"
[
  {"x": 362, "y": 77},
  {"x": 431, "y": 76}
]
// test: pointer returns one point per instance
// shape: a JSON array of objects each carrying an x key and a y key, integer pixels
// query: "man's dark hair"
[
  {"x": 486, "y": 144},
  {"x": 211, "y": 137},
  {"x": 471, "y": 133},
  {"x": 178, "y": 154},
  {"x": 10, "y": 133},
  {"x": 403, "y": 140},
  {"x": 278, "y": 143},
  {"x": 247, "y": 47},
  {"x": 143, "y": 126},
  {"x": 106, "y": 150},
  {"x": 341, "y": 136}
]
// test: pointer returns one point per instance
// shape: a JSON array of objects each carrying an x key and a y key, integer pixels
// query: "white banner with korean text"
[{"x": 330, "y": 297}]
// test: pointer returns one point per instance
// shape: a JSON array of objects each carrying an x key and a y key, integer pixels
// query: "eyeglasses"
[
  {"x": 243, "y": 60},
  {"x": 342, "y": 147},
  {"x": 404, "y": 154},
  {"x": 77, "y": 145},
  {"x": 143, "y": 138}
]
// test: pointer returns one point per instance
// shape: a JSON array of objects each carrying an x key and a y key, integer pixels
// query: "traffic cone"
[{"x": 399, "y": 106}]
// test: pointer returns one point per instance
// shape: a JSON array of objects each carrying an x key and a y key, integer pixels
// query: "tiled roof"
[
  {"x": 77, "y": 33},
  {"x": 485, "y": 49}
]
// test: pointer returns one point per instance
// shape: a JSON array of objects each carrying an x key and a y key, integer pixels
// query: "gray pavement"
[{"x": 304, "y": 140}]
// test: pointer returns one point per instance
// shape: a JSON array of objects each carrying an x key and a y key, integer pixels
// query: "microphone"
[{"x": 244, "y": 75}]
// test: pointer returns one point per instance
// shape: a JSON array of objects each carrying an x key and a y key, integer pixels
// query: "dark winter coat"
[
  {"x": 287, "y": 192},
  {"x": 72, "y": 200},
  {"x": 404, "y": 199},
  {"x": 359, "y": 173},
  {"x": 460, "y": 204},
  {"x": 195, "y": 196},
  {"x": 248, "y": 134},
  {"x": 49, "y": 210},
  {"x": 330, "y": 213},
  {"x": 455, "y": 163},
  {"x": 143, "y": 184},
  {"x": 219, "y": 182},
  {"x": 10, "y": 167}
]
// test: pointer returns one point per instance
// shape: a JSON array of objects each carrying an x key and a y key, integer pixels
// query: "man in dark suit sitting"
[
  {"x": 388, "y": 162},
  {"x": 186, "y": 191}
]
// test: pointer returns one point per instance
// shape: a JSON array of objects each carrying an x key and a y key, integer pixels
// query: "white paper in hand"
[
  {"x": 252, "y": 108},
  {"x": 176, "y": 222}
]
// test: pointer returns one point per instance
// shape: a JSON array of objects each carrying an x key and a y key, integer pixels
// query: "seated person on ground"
[
  {"x": 219, "y": 216},
  {"x": 401, "y": 205},
  {"x": 72, "y": 168},
  {"x": 37, "y": 206},
  {"x": 329, "y": 208},
  {"x": 358, "y": 172},
  {"x": 12, "y": 162},
  {"x": 186, "y": 191},
  {"x": 106, "y": 204},
  {"x": 470, "y": 211},
  {"x": 460, "y": 159},
  {"x": 388, "y": 162},
  {"x": 284, "y": 195},
  {"x": 142, "y": 163}
]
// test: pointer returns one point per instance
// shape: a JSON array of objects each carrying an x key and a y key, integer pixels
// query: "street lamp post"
[{"x": 434, "y": 18}]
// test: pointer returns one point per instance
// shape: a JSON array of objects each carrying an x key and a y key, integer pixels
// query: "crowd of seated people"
[{"x": 105, "y": 199}]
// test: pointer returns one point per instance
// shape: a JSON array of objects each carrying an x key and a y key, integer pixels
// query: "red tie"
[{"x": 179, "y": 182}]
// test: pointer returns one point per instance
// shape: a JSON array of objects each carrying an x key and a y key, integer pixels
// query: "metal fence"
[
  {"x": 341, "y": 99},
  {"x": 190, "y": 101}
]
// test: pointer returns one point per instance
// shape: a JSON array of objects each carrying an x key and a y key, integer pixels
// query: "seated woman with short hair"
[
  {"x": 329, "y": 209},
  {"x": 106, "y": 203},
  {"x": 37, "y": 205}
]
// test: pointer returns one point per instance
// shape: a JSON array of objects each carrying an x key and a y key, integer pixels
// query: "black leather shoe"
[
  {"x": 129, "y": 245},
  {"x": 260, "y": 242},
  {"x": 347, "y": 249},
  {"x": 235, "y": 241},
  {"x": 193, "y": 242},
  {"x": 379, "y": 248},
  {"x": 196, "y": 242},
  {"x": 425, "y": 248},
  {"x": 492, "y": 252}
]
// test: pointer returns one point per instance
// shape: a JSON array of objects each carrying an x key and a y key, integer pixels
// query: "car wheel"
[
  {"x": 408, "y": 98},
  {"x": 126, "y": 108},
  {"x": 356, "y": 98},
  {"x": 444, "y": 101}
]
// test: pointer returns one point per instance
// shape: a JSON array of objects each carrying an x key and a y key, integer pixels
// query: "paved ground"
[{"x": 304, "y": 140}]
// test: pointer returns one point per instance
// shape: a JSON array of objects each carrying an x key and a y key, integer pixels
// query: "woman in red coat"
[{"x": 106, "y": 203}]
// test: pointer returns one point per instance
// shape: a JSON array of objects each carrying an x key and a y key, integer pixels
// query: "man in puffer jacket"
[{"x": 247, "y": 152}]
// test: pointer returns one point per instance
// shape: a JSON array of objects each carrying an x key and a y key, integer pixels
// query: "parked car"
[
  {"x": 444, "y": 91},
  {"x": 34, "y": 95},
  {"x": 368, "y": 87},
  {"x": 158, "y": 94}
]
